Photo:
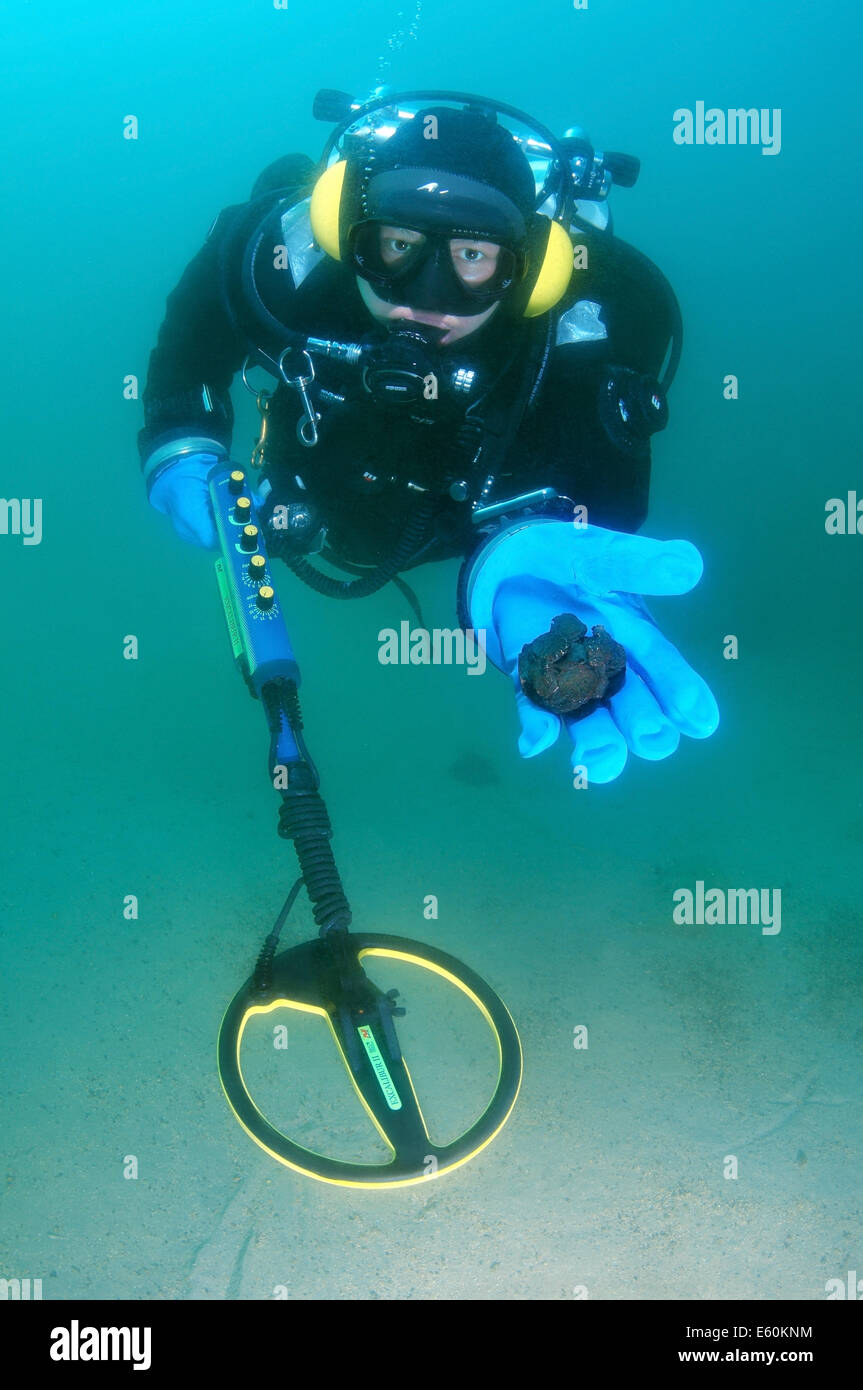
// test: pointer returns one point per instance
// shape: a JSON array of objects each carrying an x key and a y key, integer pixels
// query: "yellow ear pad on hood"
[
  {"x": 325, "y": 209},
  {"x": 555, "y": 272}
]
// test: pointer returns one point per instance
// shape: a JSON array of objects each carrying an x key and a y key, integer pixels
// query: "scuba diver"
[{"x": 468, "y": 363}]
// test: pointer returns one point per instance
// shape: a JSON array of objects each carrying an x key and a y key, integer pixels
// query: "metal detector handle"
[{"x": 256, "y": 624}]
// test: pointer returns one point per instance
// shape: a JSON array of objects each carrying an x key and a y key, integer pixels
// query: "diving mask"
[
  {"x": 432, "y": 270},
  {"x": 432, "y": 239}
]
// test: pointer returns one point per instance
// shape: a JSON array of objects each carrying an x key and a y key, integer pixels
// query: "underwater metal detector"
[{"x": 325, "y": 976}]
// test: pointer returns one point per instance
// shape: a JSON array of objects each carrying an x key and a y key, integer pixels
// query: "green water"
[{"x": 147, "y": 777}]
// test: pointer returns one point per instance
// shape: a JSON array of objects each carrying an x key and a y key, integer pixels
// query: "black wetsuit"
[{"x": 357, "y": 478}]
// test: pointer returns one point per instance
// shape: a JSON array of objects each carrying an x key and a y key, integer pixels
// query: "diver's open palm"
[{"x": 544, "y": 569}]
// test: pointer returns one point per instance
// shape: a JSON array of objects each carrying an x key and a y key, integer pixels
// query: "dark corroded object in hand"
[{"x": 569, "y": 671}]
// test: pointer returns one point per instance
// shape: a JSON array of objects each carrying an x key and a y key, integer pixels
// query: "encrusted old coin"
[{"x": 569, "y": 670}]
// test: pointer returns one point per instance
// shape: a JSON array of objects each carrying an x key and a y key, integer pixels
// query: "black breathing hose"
[{"x": 405, "y": 549}]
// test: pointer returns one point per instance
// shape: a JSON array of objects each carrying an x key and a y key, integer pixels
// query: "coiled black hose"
[
  {"x": 303, "y": 817},
  {"x": 406, "y": 547},
  {"x": 304, "y": 820}
]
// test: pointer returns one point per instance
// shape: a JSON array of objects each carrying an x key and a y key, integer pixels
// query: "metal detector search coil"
[
  {"x": 326, "y": 976},
  {"x": 304, "y": 979}
]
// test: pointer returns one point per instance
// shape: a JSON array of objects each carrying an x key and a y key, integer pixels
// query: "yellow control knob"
[
  {"x": 257, "y": 568},
  {"x": 266, "y": 595},
  {"x": 249, "y": 538},
  {"x": 242, "y": 510},
  {"x": 236, "y": 481}
]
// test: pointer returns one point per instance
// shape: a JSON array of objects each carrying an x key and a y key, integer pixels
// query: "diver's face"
[{"x": 474, "y": 262}]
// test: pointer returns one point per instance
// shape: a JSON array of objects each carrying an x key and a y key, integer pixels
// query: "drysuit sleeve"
[
  {"x": 593, "y": 433},
  {"x": 198, "y": 352}
]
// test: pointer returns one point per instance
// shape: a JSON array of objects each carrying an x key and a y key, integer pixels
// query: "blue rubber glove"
[
  {"x": 533, "y": 571},
  {"x": 181, "y": 492}
]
